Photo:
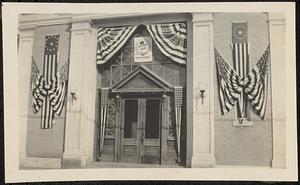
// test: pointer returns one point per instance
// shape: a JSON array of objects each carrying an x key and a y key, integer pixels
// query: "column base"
[
  {"x": 278, "y": 162},
  {"x": 204, "y": 160},
  {"x": 72, "y": 160},
  {"x": 40, "y": 163},
  {"x": 188, "y": 163}
]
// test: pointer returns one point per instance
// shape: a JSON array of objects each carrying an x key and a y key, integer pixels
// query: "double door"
[{"x": 140, "y": 130}]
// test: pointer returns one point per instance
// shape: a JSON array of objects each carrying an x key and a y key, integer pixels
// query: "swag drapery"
[{"x": 171, "y": 40}]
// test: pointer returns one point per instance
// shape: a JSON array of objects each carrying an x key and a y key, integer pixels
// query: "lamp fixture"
[
  {"x": 73, "y": 91},
  {"x": 202, "y": 88}
]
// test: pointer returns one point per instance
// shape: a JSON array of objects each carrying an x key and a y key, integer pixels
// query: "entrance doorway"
[{"x": 140, "y": 130}]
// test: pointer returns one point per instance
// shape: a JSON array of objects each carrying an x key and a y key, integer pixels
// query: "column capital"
[
  {"x": 276, "y": 17},
  {"x": 202, "y": 17},
  {"x": 26, "y": 33},
  {"x": 81, "y": 25}
]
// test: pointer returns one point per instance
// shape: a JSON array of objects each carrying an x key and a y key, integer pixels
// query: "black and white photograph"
[{"x": 159, "y": 91}]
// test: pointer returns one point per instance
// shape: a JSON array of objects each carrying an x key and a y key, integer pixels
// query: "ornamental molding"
[{"x": 29, "y": 21}]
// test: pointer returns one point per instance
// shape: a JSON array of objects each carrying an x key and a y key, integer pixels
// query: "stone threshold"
[{"x": 128, "y": 165}]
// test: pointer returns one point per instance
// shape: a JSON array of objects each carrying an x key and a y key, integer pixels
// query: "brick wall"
[
  {"x": 250, "y": 145},
  {"x": 47, "y": 142}
]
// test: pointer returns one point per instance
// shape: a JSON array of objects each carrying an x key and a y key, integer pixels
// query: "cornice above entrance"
[{"x": 143, "y": 80}]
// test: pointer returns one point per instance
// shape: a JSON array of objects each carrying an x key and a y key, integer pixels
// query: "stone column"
[
  {"x": 24, "y": 67},
  {"x": 277, "y": 49},
  {"x": 202, "y": 74},
  {"x": 80, "y": 118}
]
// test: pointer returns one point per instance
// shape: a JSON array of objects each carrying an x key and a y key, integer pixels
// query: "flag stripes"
[
  {"x": 102, "y": 127},
  {"x": 239, "y": 48},
  {"x": 57, "y": 96},
  {"x": 256, "y": 85},
  {"x": 178, "y": 127},
  {"x": 178, "y": 99},
  {"x": 230, "y": 85},
  {"x": 50, "y": 65},
  {"x": 241, "y": 66},
  {"x": 103, "y": 110},
  {"x": 49, "y": 89}
]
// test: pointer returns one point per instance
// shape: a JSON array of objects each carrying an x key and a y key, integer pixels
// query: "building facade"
[{"x": 145, "y": 90}]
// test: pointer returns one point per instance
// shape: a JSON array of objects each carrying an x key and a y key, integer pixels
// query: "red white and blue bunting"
[
  {"x": 110, "y": 40},
  {"x": 170, "y": 39}
]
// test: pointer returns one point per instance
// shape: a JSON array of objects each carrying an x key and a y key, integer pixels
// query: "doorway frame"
[{"x": 141, "y": 115}]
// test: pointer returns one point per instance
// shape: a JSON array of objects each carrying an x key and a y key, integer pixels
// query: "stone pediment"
[{"x": 142, "y": 79}]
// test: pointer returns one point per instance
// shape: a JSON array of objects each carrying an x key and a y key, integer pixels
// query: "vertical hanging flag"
[
  {"x": 240, "y": 62},
  {"x": 49, "y": 74},
  {"x": 178, "y": 98},
  {"x": 103, "y": 109},
  {"x": 49, "y": 89}
]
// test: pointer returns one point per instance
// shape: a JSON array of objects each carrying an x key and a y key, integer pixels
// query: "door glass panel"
[
  {"x": 131, "y": 115},
  {"x": 152, "y": 119}
]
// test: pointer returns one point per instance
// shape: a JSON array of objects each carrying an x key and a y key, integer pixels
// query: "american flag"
[
  {"x": 230, "y": 84},
  {"x": 49, "y": 89},
  {"x": 256, "y": 85},
  {"x": 240, "y": 61}
]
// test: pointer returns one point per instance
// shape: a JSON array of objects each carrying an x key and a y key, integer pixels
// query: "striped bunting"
[
  {"x": 256, "y": 85},
  {"x": 230, "y": 85},
  {"x": 110, "y": 40},
  {"x": 49, "y": 90},
  {"x": 171, "y": 40}
]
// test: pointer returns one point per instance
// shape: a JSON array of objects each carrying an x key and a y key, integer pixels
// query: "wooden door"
[
  {"x": 130, "y": 134},
  {"x": 140, "y": 131},
  {"x": 150, "y": 131}
]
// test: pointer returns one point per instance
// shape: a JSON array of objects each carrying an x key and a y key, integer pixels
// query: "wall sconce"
[
  {"x": 202, "y": 88},
  {"x": 73, "y": 91}
]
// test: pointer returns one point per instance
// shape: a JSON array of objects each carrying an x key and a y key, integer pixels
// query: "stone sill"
[{"x": 244, "y": 123}]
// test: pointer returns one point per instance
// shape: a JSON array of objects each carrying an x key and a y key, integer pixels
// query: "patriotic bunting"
[
  {"x": 110, "y": 40},
  {"x": 49, "y": 89},
  {"x": 169, "y": 38},
  {"x": 231, "y": 85}
]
